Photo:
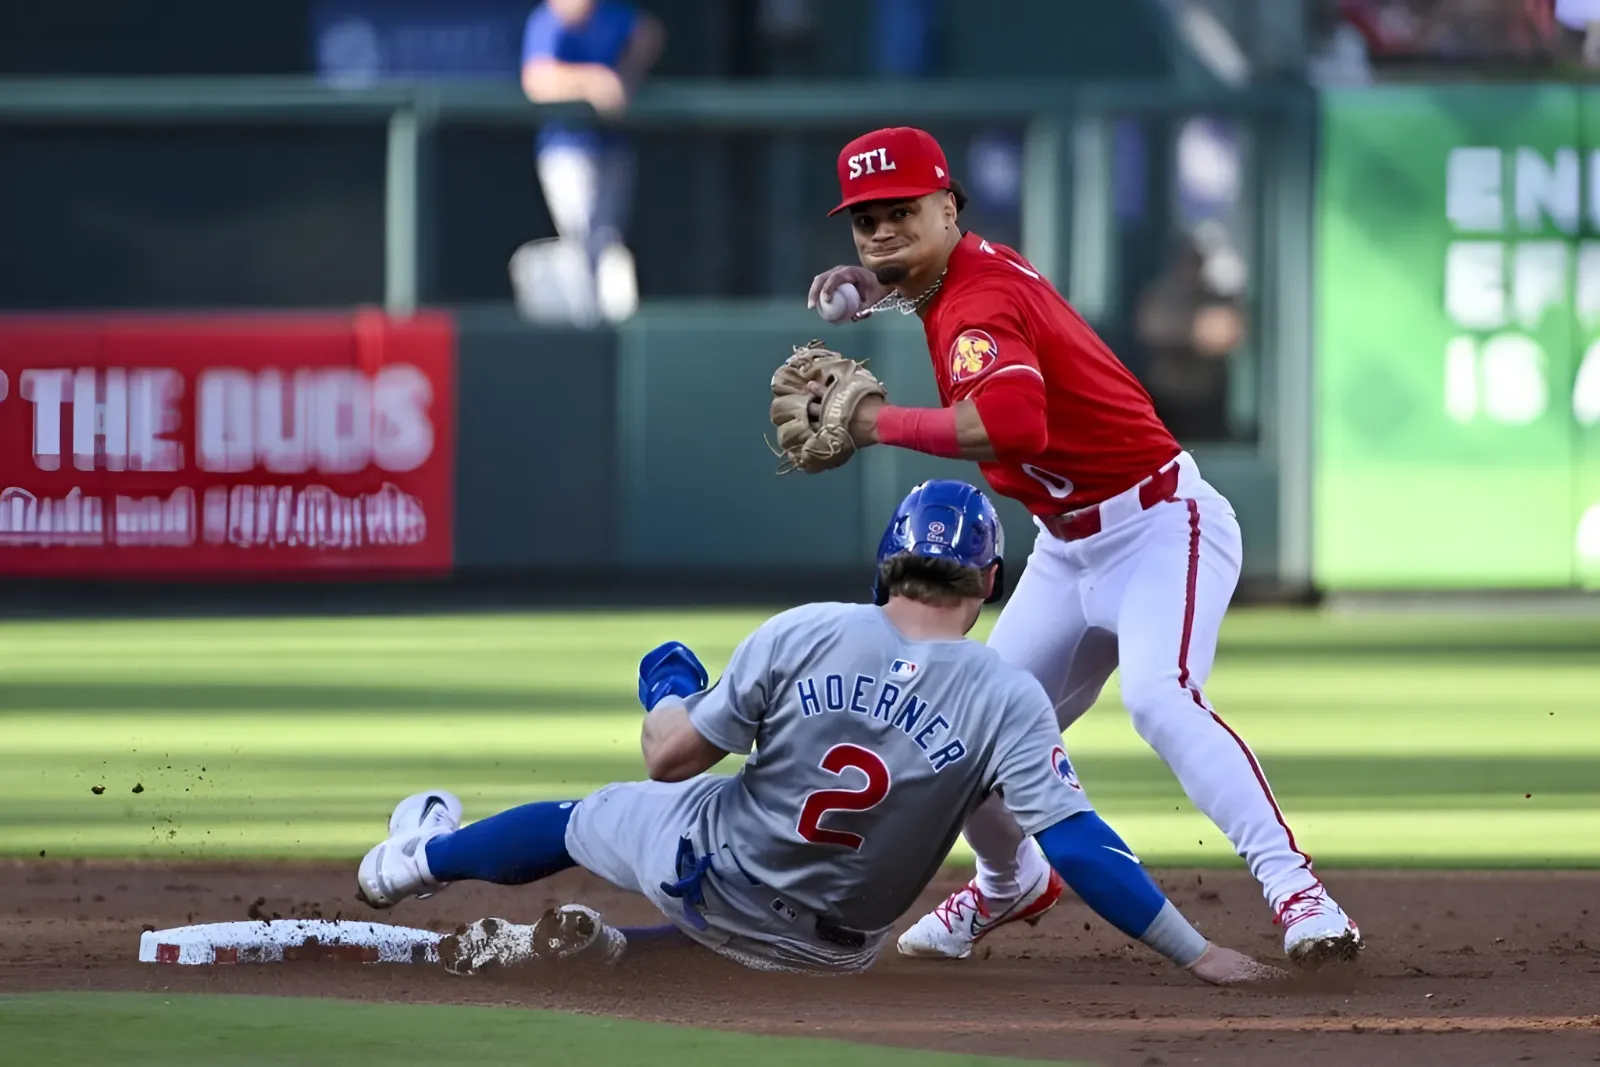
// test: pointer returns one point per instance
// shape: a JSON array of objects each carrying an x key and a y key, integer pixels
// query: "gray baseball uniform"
[{"x": 870, "y": 751}]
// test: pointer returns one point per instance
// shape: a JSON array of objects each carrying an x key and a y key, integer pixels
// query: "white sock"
[
  {"x": 995, "y": 837},
  {"x": 1008, "y": 881}
]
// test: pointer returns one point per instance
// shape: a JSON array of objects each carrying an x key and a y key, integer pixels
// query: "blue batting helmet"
[{"x": 944, "y": 519}]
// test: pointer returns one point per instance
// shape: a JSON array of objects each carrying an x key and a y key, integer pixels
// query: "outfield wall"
[
  {"x": 467, "y": 448},
  {"x": 308, "y": 447}
]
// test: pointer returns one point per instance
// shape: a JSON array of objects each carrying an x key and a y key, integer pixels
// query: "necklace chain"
[{"x": 895, "y": 302}]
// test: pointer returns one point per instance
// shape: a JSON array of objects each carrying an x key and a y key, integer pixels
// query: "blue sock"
[
  {"x": 649, "y": 934},
  {"x": 517, "y": 846}
]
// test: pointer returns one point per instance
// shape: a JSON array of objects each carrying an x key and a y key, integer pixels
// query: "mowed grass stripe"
[
  {"x": 1245, "y": 629},
  {"x": 1426, "y": 839},
  {"x": 307, "y": 730},
  {"x": 1531, "y": 729}
]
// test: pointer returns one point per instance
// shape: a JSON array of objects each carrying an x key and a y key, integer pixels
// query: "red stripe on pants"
[{"x": 1183, "y": 675}]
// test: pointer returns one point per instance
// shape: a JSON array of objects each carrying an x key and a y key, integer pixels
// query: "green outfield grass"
[
  {"x": 91, "y": 1030},
  {"x": 1390, "y": 739}
]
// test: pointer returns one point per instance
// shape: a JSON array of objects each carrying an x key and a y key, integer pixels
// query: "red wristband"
[{"x": 928, "y": 430}]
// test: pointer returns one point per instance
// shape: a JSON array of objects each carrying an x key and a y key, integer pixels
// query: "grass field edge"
[{"x": 234, "y": 1009}]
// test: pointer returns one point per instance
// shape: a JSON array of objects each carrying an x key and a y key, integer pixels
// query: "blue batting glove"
[{"x": 669, "y": 670}]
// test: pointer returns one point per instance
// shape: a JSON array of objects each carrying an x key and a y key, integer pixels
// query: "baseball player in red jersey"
[{"x": 1136, "y": 557}]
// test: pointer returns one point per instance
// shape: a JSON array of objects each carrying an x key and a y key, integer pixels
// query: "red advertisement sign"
[{"x": 226, "y": 445}]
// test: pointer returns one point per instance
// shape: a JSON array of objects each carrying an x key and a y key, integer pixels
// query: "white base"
[{"x": 278, "y": 940}]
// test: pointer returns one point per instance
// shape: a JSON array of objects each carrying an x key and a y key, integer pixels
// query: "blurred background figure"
[
  {"x": 904, "y": 41},
  {"x": 596, "y": 51},
  {"x": 1425, "y": 35},
  {"x": 1582, "y": 16},
  {"x": 1189, "y": 307},
  {"x": 1191, "y": 319},
  {"x": 1337, "y": 51}
]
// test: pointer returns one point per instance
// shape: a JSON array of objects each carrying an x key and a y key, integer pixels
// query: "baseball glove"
[{"x": 815, "y": 392}]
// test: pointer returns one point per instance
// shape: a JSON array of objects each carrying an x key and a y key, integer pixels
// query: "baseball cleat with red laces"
[
  {"x": 950, "y": 930},
  {"x": 1316, "y": 930}
]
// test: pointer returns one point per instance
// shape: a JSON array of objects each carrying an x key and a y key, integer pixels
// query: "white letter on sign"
[
  {"x": 342, "y": 415},
  {"x": 402, "y": 432},
  {"x": 46, "y": 390},
  {"x": 96, "y": 419},
  {"x": 225, "y": 413},
  {"x": 281, "y": 425},
  {"x": 1550, "y": 189},
  {"x": 1475, "y": 284},
  {"x": 153, "y": 395},
  {"x": 1473, "y": 189}
]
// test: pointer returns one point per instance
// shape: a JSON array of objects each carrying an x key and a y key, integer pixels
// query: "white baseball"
[{"x": 840, "y": 304}]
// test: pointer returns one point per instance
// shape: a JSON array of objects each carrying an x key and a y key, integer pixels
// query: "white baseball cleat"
[
  {"x": 950, "y": 930},
  {"x": 398, "y": 868},
  {"x": 570, "y": 933},
  {"x": 1316, "y": 930}
]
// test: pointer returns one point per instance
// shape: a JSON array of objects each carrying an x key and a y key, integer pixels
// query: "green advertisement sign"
[{"x": 1458, "y": 338}]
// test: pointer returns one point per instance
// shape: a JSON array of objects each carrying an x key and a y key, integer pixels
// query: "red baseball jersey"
[{"x": 996, "y": 315}]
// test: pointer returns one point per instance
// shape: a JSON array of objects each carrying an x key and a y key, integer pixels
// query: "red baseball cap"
[{"x": 898, "y": 163}]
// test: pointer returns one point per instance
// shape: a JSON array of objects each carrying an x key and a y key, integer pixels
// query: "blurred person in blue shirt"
[{"x": 597, "y": 51}]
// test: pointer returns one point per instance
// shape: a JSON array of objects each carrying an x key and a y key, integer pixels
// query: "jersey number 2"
[{"x": 839, "y": 759}]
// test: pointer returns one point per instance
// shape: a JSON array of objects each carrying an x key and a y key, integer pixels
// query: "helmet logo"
[{"x": 936, "y": 531}]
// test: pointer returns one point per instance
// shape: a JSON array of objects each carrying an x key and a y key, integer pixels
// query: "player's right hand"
[
  {"x": 866, "y": 283},
  {"x": 1225, "y": 966}
]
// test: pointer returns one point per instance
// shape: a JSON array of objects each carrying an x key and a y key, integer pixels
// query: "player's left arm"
[
  {"x": 1039, "y": 786},
  {"x": 956, "y": 432},
  {"x": 998, "y": 391},
  {"x": 1042, "y": 790}
]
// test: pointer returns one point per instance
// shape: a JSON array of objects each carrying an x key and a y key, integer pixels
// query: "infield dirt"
[{"x": 1461, "y": 968}]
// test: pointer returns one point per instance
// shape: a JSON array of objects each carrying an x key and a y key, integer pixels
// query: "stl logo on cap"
[
  {"x": 895, "y": 163},
  {"x": 872, "y": 161},
  {"x": 972, "y": 353}
]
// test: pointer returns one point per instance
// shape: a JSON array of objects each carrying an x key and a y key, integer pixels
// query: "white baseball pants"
[
  {"x": 1146, "y": 596},
  {"x": 589, "y": 194}
]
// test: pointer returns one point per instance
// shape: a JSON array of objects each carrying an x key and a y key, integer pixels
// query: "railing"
[{"x": 1062, "y": 150}]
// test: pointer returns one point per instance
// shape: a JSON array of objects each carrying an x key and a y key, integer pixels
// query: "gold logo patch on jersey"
[{"x": 972, "y": 353}]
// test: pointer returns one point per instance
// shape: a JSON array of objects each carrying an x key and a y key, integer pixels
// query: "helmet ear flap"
[{"x": 999, "y": 590}]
